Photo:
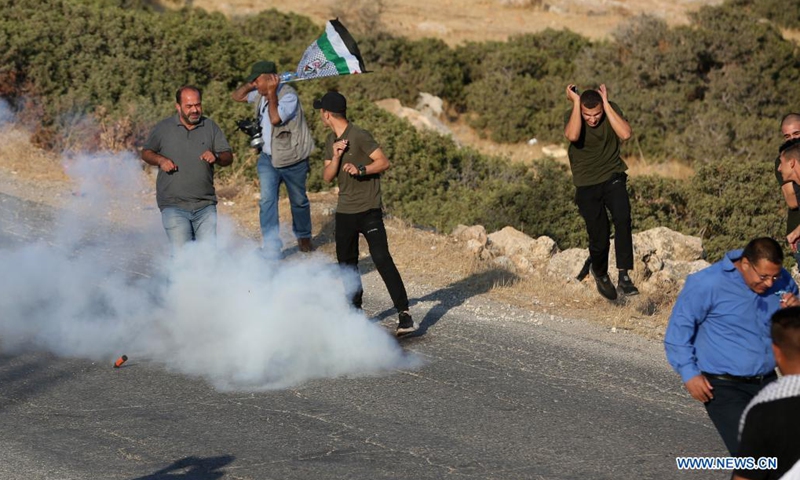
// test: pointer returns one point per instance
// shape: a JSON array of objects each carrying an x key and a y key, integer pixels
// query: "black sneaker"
[
  {"x": 604, "y": 285},
  {"x": 405, "y": 325},
  {"x": 626, "y": 286}
]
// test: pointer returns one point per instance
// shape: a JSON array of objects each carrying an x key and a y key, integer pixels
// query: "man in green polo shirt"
[
  {"x": 354, "y": 158},
  {"x": 595, "y": 129}
]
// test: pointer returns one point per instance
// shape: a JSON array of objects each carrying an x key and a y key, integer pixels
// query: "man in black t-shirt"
[
  {"x": 355, "y": 160},
  {"x": 771, "y": 422}
]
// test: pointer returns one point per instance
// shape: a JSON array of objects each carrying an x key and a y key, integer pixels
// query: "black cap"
[{"x": 333, "y": 102}]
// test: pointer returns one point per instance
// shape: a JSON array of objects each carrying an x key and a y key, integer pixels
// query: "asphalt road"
[{"x": 502, "y": 394}]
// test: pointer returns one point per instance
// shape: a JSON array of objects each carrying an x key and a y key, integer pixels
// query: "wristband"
[{"x": 362, "y": 170}]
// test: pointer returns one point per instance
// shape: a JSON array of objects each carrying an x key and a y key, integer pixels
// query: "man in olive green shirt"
[
  {"x": 354, "y": 158},
  {"x": 596, "y": 128},
  {"x": 790, "y": 129}
]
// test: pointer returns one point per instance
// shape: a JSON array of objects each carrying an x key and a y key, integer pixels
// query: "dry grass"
[
  {"x": 20, "y": 160},
  {"x": 460, "y": 21}
]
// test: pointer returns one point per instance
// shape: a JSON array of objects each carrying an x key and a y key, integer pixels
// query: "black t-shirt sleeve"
[
  {"x": 796, "y": 192},
  {"x": 756, "y": 440}
]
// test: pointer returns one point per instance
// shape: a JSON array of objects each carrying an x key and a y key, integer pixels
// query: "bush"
[{"x": 731, "y": 201}]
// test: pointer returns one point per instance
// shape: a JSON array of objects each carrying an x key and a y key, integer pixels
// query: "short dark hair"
[
  {"x": 763, "y": 248},
  {"x": 187, "y": 87},
  {"x": 785, "y": 331},
  {"x": 338, "y": 114},
  {"x": 790, "y": 117},
  {"x": 591, "y": 98},
  {"x": 790, "y": 149}
]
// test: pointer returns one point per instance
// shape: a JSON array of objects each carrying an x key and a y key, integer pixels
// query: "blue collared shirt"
[
  {"x": 720, "y": 325},
  {"x": 287, "y": 109}
]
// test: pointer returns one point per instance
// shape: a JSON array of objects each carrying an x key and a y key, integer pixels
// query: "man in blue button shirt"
[{"x": 718, "y": 337}]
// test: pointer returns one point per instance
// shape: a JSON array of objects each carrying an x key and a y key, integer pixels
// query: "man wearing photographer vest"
[{"x": 284, "y": 155}]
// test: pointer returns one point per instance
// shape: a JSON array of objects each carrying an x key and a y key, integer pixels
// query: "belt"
[{"x": 758, "y": 379}]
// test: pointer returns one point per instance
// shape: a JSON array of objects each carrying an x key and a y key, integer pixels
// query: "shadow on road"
[
  {"x": 27, "y": 376},
  {"x": 456, "y": 294},
  {"x": 193, "y": 468}
]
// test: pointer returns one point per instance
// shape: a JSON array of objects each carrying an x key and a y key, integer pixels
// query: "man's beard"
[{"x": 189, "y": 121}]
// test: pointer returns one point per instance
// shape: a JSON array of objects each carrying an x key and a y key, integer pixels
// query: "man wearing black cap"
[
  {"x": 354, "y": 158},
  {"x": 284, "y": 155}
]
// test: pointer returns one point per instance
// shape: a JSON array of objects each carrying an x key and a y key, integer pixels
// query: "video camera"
[{"x": 252, "y": 129}]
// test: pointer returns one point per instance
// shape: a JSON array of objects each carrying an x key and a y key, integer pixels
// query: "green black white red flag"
[{"x": 334, "y": 53}]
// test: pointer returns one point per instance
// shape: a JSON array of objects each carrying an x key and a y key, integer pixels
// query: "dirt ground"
[{"x": 459, "y": 21}]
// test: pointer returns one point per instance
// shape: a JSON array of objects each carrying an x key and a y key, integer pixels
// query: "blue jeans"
[
  {"x": 294, "y": 177},
  {"x": 183, "y": 226}
]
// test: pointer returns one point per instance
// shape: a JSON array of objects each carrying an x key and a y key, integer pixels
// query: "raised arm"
[
  {"x": 331, "y": 165},
  {"x": 240, "y": 94},
  {"x": 573, "y": 129},
  {"x": 621, "y": 126}
]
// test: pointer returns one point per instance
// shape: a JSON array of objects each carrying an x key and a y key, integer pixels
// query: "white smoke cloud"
[
  {"x": 104, "y": 285},
  {"x": 6, "y": 114}
]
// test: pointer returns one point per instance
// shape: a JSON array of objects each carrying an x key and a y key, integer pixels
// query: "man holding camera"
[
  {"x": 595, "y": 129},
  {"x": 185, "y": 148},
  {"x": 283, "y": 157},
  {"x": 354, "y": 158}
]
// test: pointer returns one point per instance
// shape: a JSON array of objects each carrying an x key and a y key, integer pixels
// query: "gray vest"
[{"x": 291, "y": 141}]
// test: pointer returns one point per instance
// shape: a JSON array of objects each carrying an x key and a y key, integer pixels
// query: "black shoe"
[
  {"x": 626, "y": 286},
  {"x": 405, "y": 325},
  {"x": 604, "y": 285}
]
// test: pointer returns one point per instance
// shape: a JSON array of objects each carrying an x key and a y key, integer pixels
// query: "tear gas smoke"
[
  {"x": 103, "y": 283},
  {"x": 6, "y": 115}
]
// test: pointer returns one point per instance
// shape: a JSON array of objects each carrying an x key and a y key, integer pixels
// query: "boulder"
[
  {"x": 430, "y": 105},
  {"x": 475, "y": 232},
  {"x": 555, "y": 151},
  {"x": 504, "y": 263},
  {"x": 419, "y": 120},
  {"x": 567, "y": 264},
  {"x": 526, "y": 253},
  {"x": 652, "y": 248},
  {"x": 669, "y": 245},
  {"x": 475, "y": 246}
]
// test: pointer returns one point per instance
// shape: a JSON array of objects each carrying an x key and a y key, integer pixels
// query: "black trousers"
[
  {"x": 593, "y": 201},
  {"x": 369, "y": 224},
  {"x": 726, "y": 408}
]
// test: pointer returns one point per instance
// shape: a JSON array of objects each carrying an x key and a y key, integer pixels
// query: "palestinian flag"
[{"x": 334, "y": 53}]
